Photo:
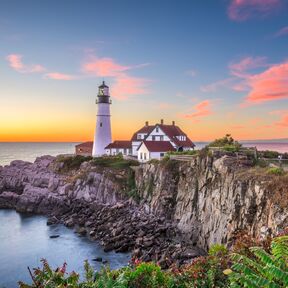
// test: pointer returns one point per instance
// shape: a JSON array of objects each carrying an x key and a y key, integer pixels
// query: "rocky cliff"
[
  {"x": 212, "y": 198},
  {"x": 180, "y": 205}
]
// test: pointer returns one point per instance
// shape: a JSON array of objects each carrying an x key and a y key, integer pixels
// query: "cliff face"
[
  {"x": 212, "y": 199},
  {"x": 207, "y": 199}
]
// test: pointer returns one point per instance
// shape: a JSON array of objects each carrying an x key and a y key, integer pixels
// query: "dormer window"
[
  {"x": 139, "y": 136},
  {"x": 157, "y": 129}
]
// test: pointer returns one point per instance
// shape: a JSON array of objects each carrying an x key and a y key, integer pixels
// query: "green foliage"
[
  {"x": 276, "y": 171},
  {"x": 153, "y": 161},
  {"x": 262, "y": 269},
  {"x": 227, "y": 143},
  {"x": 188, "y": 152},
  {"x": 218, "y": 250},
  {"x": 269, "y": 154},
  {"x": 116, "y": 162},
  {"x": 72, "y": 162},
  {"x": 131, "y": 186}
]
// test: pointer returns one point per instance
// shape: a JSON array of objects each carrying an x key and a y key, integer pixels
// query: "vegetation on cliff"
[{"x": 264, "y": 265}]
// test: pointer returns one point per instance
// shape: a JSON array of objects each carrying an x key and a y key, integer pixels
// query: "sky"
[{"x": 212, "y": 66}]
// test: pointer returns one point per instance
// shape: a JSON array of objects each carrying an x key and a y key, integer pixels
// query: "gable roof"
[
  {"x": 172, "y": 131},
  {"x": 120, "y": 144},
  {"x": 147, "y": 129},
  {"x": 88, "y": 144},
  {"x": 158, "y": 146}
]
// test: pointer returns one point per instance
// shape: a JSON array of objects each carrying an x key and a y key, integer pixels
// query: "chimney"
[
  {"x": 162, "y": 121},
  {"x": 173, "y": 123},
  {"x": 146, "y": 123}
]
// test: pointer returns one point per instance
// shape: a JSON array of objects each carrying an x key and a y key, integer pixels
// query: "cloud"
[
  {"x": 59, "y": 76},
  {"x": 212, "y": 87},
  {"x": 104, "y": 67},
  {"x": 15, "y": 62},
  {"x": 240, "y": 69},
  {"x": 124, "y": 85},
  {"x": 268, "y": 85},
  {"x": 241, "y": 10},
  {"x": 283, "y": 122},
  {"x": 283, "y": 31},
  {"x": 201, "y": 109}
]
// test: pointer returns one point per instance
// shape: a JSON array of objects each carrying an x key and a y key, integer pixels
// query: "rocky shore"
[
  {"x": 96, "y": 206},
  {"x": 169, "y": 212}
]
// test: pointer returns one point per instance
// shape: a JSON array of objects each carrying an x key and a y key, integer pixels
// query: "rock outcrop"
[
  {"x": 211, "y": 199},
  {"x": 180, "y": 205}
]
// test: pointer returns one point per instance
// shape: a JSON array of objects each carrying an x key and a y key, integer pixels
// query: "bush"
[
  {"x": 269, "y": 154},
  {"x": 72, "y": 162},
  {"x": 276, "y": 171},
  {"x": 226, "y": 141},
  {"x": 188, "y": 152},
  {"x": 116, "y": 162}
]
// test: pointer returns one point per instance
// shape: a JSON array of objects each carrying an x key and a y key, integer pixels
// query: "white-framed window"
[
  {"x": 139, "y": 136},
  {"x": 161, "y": 137},
  {"x": 157, "y": 129},
  {"x": 141, "y": 155},
  {"x": 144, "y": 156},
  {"x": 162, "y": 154}
]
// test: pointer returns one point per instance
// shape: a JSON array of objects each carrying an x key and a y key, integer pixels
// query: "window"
[
  {"x": 157, "y": 129},
  {"x": 162, "y": 154},
  {"x": 161, "y": 137},
  {"x": 100, "y": 124},
  {"x": 153, "y": 137},
  {"x": 139, "y": 136},
  {"x": 144, "y": 156},
  {"x": 141, "y": 155}
]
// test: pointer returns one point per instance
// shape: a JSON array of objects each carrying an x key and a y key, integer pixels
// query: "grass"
[
  {"x": 72, "y": 162},
  {"x": 116, "y": 162}
]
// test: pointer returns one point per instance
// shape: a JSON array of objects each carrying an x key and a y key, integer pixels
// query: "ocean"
[
  {"x": 25, "y": 240},
  {"x": 28, "y": 151}
]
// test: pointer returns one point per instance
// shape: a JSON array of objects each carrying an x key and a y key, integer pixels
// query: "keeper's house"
[{"x": 149, "y": 142}]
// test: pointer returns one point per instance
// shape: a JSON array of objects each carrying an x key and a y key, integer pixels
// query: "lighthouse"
[{"x": 102, "y": 136}]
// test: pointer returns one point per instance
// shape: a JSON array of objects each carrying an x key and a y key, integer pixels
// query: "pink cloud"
[
  {"x": 239, "y": 69},
  {"x": 59, "y": 76},
  {"x": 124, "y": 85},
  {"x": 283, "y": 122},
  {"x": 104, "y": 67},
  {"x": 201, "y": 109},
  {"x": 212, "y": 87},
  {"x": 240, "y": 10},
  {"x": 15, "y": 62},
  {"x": 282, "y": 32},
  {"x": 268, "y": 85}
]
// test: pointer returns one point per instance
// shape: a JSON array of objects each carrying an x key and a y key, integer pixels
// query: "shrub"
[
  {"x": 276, "y": 171},
  {"x": 116, "y": 162},
  {"x": 188, "y": 152},
  {"x": 72, "y": 162},
  {"x": 226, "y": 141},
  {"x": 269, "y": 154}
]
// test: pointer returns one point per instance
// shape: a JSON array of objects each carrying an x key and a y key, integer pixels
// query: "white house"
[
  {"x": 149, "y": 142},
  {"x": 123, "y": 147},
  {"x": 153, "y": 150}
]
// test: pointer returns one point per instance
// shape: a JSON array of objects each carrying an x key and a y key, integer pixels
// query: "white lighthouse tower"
[{"x": 102, "y": 135}]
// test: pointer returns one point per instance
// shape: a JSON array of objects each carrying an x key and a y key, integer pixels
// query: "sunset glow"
[{"x": 216, "y": 67}]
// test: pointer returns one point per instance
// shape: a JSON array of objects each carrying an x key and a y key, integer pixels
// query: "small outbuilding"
[
  {"x": 153, "y": 150},
  {"x": 121, "y": 146},
  {"x": 84, "y": 149}
]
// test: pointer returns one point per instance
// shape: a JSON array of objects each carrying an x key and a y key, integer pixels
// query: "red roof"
[
  {"x": 172, "y": 131},
  {"x": 158, "y": 146},
  {"x": 147, "y": 129},
  {"x": 120, "y": 144},
  {"x": 88, "y": 144}
]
